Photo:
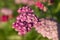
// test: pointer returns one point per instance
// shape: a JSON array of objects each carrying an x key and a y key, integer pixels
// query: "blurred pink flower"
[
  {"x": 4, "y": 18},
  {"x": 6, "y": 11},
  {"x": 31, "y": 2},
  {"x": 47, "y": 28},
  {"x": 18, "y": 1},
  {"x": 39, "y": 5},
  {"x": 21, "y": 1},
  {"x": 28, "y": 2}
]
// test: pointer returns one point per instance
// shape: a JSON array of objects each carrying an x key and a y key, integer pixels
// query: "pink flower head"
[
  {"x": 47, "y": 28},
  {"x": 25, "y": 20},
  {"x": 39, "y": 5}
]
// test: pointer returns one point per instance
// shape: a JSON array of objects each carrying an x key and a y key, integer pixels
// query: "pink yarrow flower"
[
  {"x": 39, "y": 5},
  {"x": 48, "y": 28},
  {"x": 25, "y": 20}
]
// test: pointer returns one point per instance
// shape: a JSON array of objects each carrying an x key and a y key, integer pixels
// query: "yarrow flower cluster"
[
  {"x": 48, "y": 28},
  {"x": 25, "y": 20}
]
